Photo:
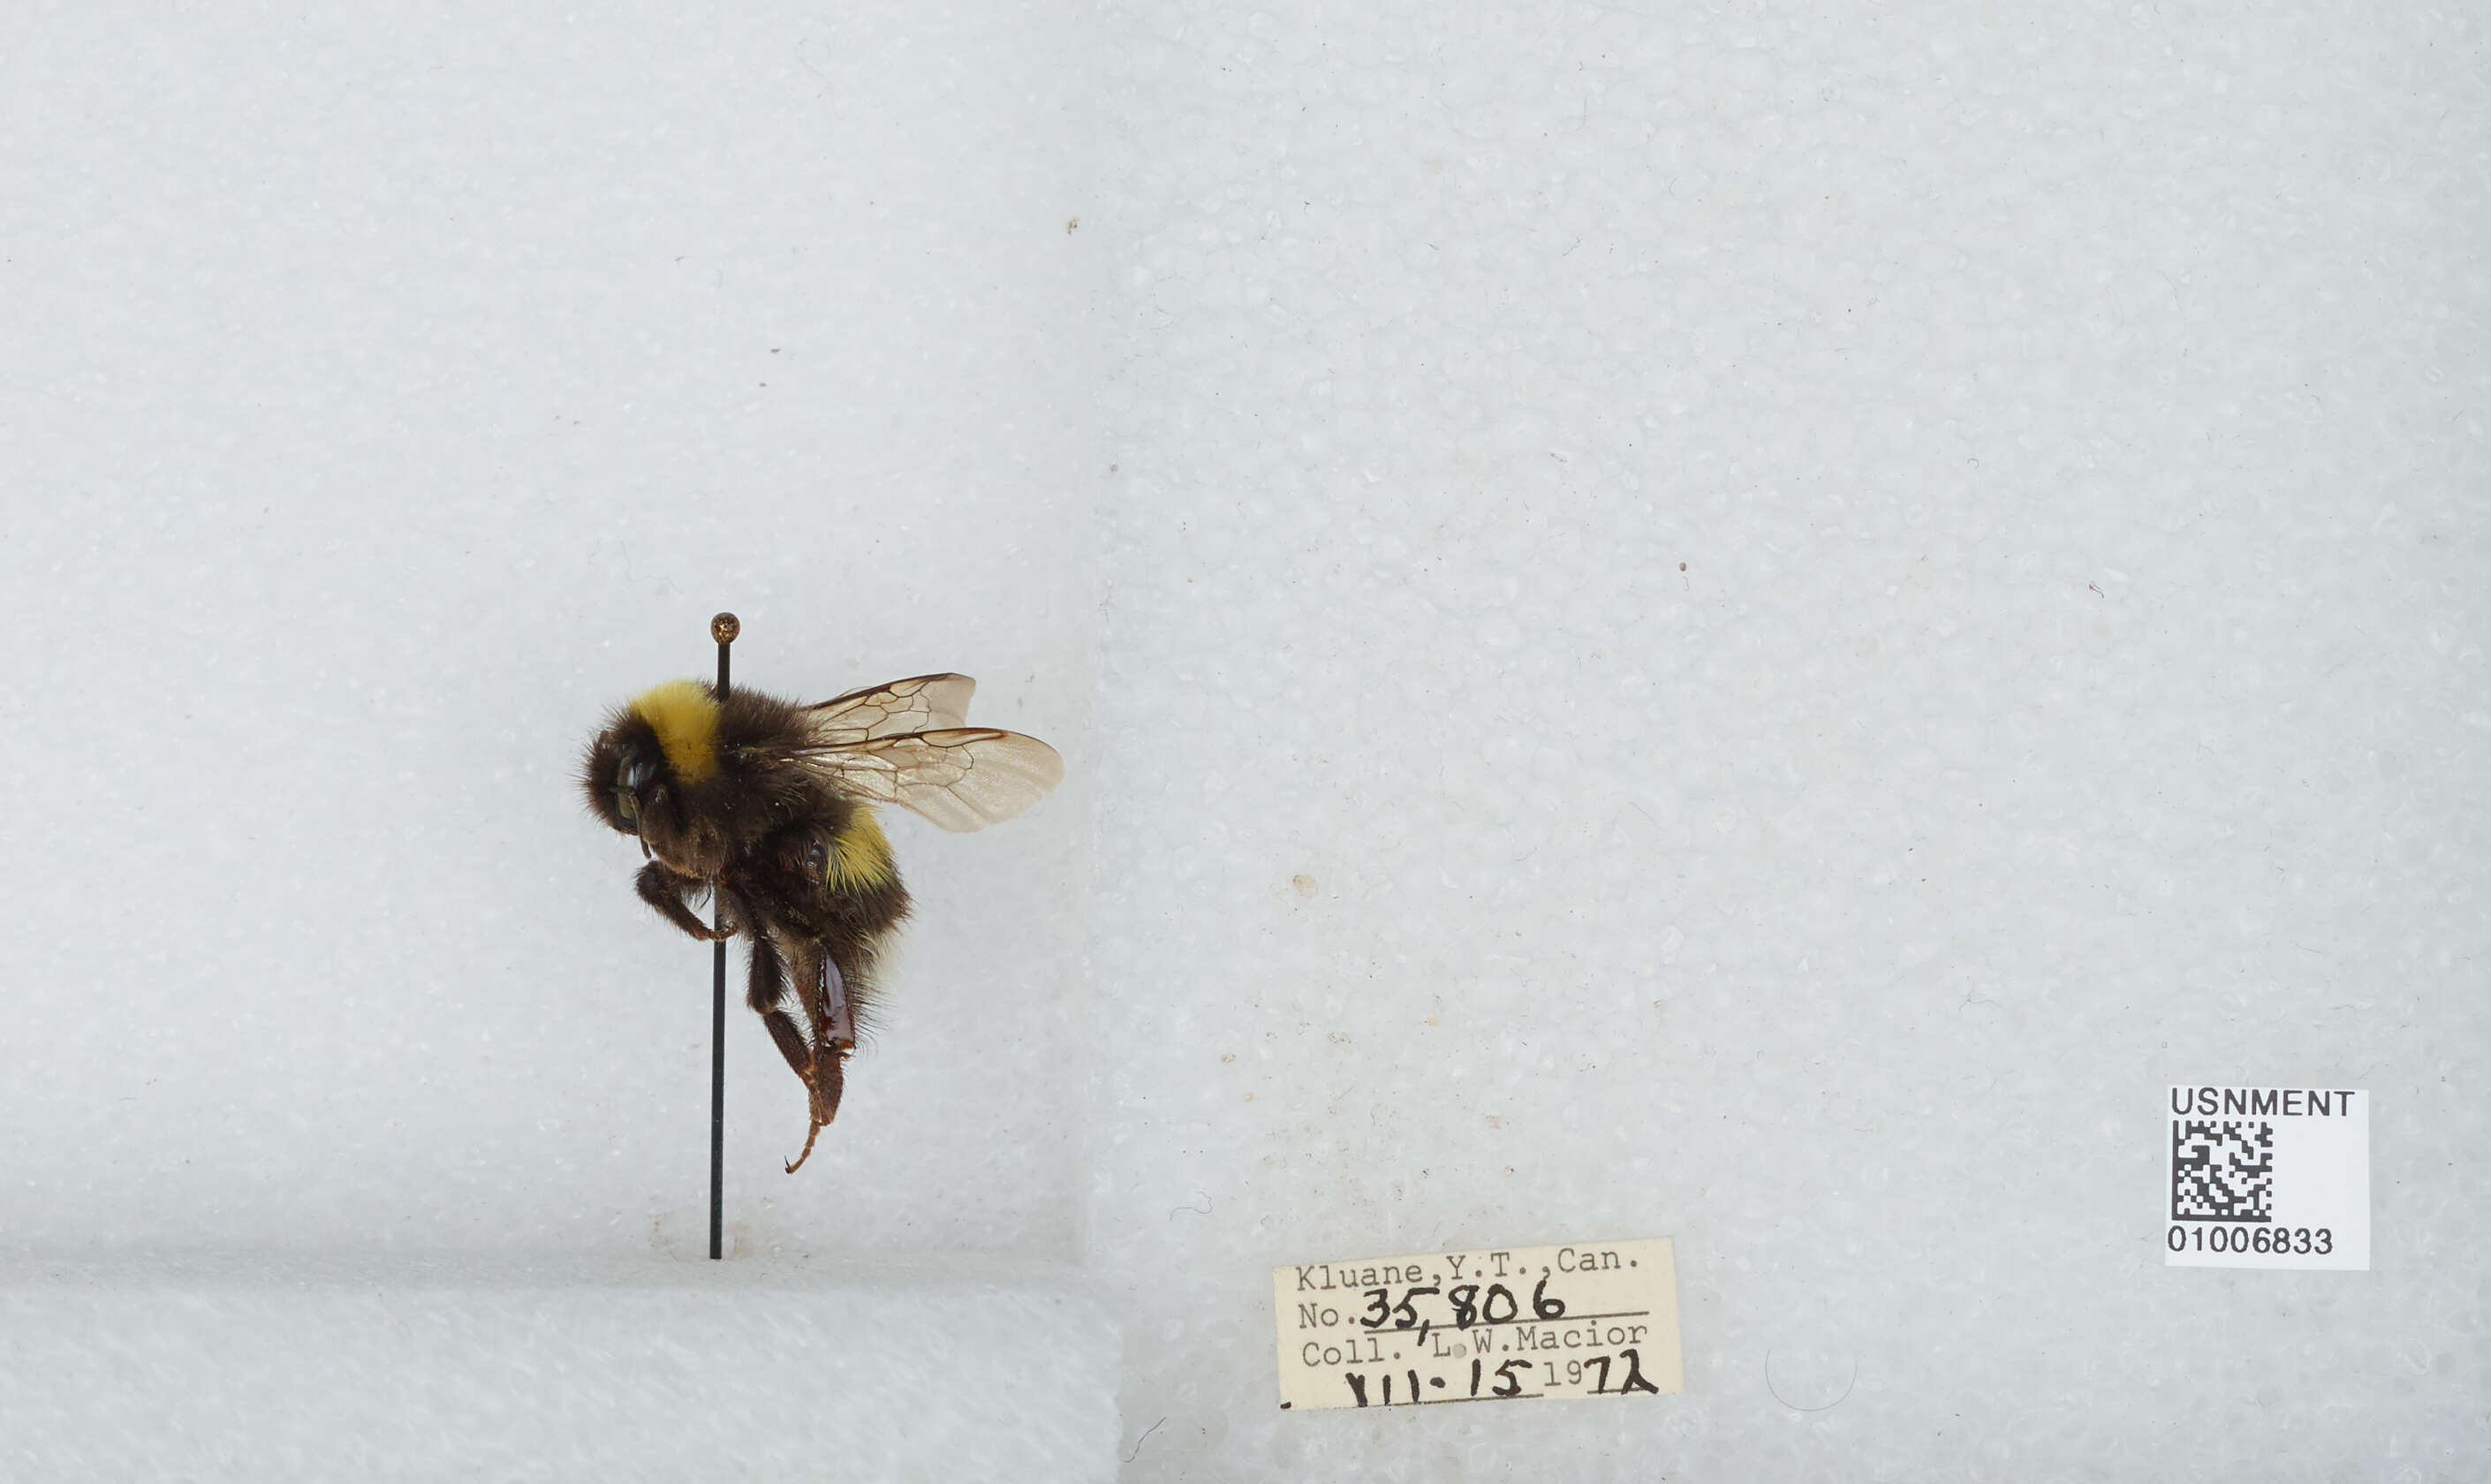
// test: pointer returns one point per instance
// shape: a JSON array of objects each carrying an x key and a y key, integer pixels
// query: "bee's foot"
[
  {"x": 823, "y": 1085},
  {"x": 811, "y": 1135}
]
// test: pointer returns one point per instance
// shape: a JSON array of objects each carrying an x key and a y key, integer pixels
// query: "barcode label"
[{"x": 2266, "y": 1178}]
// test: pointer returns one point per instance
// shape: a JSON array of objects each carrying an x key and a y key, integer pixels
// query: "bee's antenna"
[{"x": 723, "y": 629}]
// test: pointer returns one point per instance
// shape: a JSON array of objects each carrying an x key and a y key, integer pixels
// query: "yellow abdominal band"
[{"x": 860, "y": 857}]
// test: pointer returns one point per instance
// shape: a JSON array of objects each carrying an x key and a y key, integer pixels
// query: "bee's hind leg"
[
  {"x": 766, "y": 991},
  {"x": 833, "y": 1022},
  {"x": 832, "y": 1012},
  {"x": 817, "y": 1064}
]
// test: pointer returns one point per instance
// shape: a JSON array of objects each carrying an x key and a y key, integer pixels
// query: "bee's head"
[
  {"x": 627, "y": 772},
  {"x": 642, "y": 768}
]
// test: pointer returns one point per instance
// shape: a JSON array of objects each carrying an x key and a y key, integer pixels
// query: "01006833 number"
[{"x": 2250, "y": 1238}]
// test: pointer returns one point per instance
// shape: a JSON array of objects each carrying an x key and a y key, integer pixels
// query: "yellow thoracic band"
[
  {"x": 685, "y": 716},
  {"x": 860, "y": 857}
]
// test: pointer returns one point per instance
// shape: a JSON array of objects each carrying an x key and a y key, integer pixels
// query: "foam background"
[
  {"x": 1761, "y": 620},
  {"x": 391, "y": 402},
  {"x": 388, "y": 396},
  {"x": 2070, "y": 423},
  {"x": 223, "y": 1367}
]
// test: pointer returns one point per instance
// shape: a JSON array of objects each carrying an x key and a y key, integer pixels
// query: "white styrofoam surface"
[
  {"x": 443, "y": 1366},
  {"x": 386, "y": 401},
  {"x": 1738, "y": 623},
  {"x": 1752, "y": 623}
]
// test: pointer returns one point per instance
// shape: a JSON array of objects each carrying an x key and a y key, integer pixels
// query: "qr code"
[{"x": 2222, "y": 1170}]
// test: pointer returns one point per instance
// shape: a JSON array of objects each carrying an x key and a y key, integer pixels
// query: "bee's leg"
[
  {"x": 825, "y": 1083},
  {"x": 767, "y": 982},
  {"x": 832, "y": 1012},
  {"x": 734, "y": 914},
  {"x": 664, "y": 889},
  {"x": 766, "y": 991},
  {"x": 825, "y": 1006}
]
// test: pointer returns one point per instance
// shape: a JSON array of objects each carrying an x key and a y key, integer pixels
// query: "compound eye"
[
  {"x": 628, "y": 805},
  {"x": 817, "y": 859}
]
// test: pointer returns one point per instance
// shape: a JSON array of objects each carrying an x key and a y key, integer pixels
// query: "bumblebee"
[{"x": 764, "y": 807}]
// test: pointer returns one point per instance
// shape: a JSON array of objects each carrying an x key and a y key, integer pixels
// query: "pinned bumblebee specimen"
[{"x": 765, "y": 807}]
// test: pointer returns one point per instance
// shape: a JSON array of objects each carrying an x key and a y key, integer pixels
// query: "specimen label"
[
  {"x": 1494, "y": 1325},
  {"x": 2266, "y": 1178}
]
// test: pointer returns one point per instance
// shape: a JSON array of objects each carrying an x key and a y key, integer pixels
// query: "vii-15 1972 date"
[{"x": 1575, "y": 1319}]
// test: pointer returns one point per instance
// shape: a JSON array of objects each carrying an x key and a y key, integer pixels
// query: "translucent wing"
[
  {"x": 960, "y": 777},
  {"x": 920, "y": 703}
]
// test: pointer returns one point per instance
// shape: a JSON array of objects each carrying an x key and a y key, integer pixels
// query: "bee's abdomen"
[
  {"x": 853, "y": 883},
  {"x": 859, "y": 857}
]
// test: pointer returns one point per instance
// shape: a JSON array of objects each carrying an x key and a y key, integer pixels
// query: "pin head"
[{"x": 724, "y": 628}]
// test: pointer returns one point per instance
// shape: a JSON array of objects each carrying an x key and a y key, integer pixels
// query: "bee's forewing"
[
  {"x": 920, "y": 703},
  {"x": 961, "y": 778}
]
